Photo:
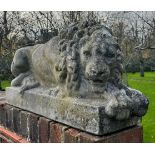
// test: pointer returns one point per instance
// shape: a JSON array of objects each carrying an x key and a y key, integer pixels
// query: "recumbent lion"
[{"x": 83, "y": 61}]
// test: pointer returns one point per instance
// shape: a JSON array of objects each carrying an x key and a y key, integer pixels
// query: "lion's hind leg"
[
  {"x": 28, "y": 82},
  {"x": 19, "y": 79},
  {"x": 29, "y": 86}
]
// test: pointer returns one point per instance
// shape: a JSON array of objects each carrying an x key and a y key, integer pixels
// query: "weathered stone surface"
[
  {"x": 2, "y": 95},
  {"x": 84, "y": 114}
]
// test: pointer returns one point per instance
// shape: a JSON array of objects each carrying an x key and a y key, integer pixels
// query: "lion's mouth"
[
  {"x": 97, "y": 82},
  {"x": 98, "y": 79}
]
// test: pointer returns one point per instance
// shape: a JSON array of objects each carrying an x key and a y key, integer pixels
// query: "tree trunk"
[{"x": 141, "y": 68}]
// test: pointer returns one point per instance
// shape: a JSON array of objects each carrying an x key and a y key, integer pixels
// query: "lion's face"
[
  {"x": 90, "y": 61},
  {"x": 98, "y": 56}
]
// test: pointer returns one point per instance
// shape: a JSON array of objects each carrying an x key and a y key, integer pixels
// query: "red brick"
[
  {"x": 71, "y": 136},
  {"x": 11, "y": 135},
  {"x": 131, "y": 135},
  {"x": 43, "y": 130},
  {"x": 88, "y": 138},
  {"x": 33, "y": 127},
  {"x": 2, "y": 114},
  {"x": 23, "y": 140},
  {"x": 57, "y": 132},
  {"x": 4, "y": 141}
]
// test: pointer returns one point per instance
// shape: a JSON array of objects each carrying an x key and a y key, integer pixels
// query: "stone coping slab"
[{"x": 84, "y": 114}]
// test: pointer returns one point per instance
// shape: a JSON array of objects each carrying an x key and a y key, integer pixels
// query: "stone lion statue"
[{"x": 83, "y": 61}]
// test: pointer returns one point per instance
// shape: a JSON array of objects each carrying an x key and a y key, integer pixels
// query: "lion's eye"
[{"x": 87, "y": 53}]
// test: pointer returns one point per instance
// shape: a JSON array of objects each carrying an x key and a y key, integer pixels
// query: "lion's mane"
[{"x": 69, "y": 45}]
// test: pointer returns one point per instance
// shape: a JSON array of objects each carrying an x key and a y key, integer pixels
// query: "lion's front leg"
[
  {"x": 118, "y": 106},
  {"x": 25, "y": 81},
  {"x": 126, "y": 102},
  {"x": 29, "y": 82}
]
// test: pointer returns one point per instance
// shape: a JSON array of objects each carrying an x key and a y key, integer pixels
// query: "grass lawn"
[
  {"x": 146, "y": 85},
  {"x": 5, "y": 84}
]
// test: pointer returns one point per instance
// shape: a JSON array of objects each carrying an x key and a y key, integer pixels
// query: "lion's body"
[{"x": 43, "y": 62}]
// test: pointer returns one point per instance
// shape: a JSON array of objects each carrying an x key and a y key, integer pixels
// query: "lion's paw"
[
  {"x": 118, "y": 106},
  {"x": 117, "y": 109}
]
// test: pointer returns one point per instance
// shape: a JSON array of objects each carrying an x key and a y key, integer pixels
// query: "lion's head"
[{"x": 91, "y": 58}]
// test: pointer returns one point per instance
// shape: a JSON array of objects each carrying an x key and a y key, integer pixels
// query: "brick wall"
[{"x": 17, "y": 125}]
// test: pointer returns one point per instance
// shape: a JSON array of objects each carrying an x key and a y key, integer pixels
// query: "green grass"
[
  {"x": 146, "y": 85},
  {"x": 5, "y": 84}
]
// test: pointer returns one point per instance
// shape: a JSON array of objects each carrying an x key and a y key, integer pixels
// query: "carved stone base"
[{"x": 84, "y": 114}]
